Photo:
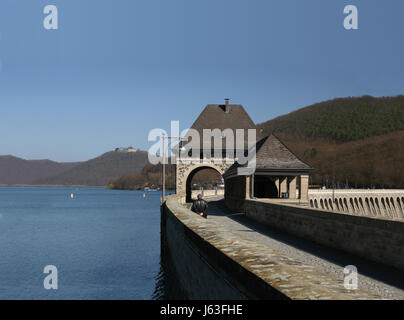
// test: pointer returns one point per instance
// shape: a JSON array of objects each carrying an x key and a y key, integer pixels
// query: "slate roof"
[
  {"x": 214, "y": 116},
  {"x": 273, "y": 156}
]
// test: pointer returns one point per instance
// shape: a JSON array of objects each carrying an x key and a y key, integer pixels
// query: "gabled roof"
[
  {"x": 273, "y": 156},
  {"x": 214, "y": 116}
]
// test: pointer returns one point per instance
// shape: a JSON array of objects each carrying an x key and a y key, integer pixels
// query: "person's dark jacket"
[{"x": 200, "y": 206}]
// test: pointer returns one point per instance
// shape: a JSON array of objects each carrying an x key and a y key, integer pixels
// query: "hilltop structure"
[
  {"x": 278, "y": 172},
  {"x": 129, "y": 149}
]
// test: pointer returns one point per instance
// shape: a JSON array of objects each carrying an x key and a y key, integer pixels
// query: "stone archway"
[
  {"x": 187, "y": 169},
  {"x": 191, "y": 176}
]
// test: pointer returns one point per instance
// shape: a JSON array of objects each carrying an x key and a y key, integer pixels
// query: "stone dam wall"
[
  {"x": 380, "y": 240},
  {"x": 203, "y": 272},
  {"x": 211, "y": 262},
  {"x": 378, "y": 203}
]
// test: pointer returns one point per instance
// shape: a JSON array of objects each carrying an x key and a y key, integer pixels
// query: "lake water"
[{"x": 104, "y": 243}]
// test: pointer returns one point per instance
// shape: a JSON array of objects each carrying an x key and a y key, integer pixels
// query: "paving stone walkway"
[{"x": 381, "y": 280}]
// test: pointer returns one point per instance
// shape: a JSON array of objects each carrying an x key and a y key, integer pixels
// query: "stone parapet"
[
  {"x": 379, "y": 240},
  {"x": 214, "y": 263},
  {"x": 378, "y": 203}
]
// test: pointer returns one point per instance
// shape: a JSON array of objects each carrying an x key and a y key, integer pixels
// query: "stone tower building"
[{"x": 217, "y": 144}]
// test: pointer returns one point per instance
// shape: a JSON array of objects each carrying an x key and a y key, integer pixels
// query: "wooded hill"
[
  {"x": 356, "y": 142},
  {"x": 151, "y": 177},
  {"x": 342, "y": 119},
  {"x": 99, "y": 171}
]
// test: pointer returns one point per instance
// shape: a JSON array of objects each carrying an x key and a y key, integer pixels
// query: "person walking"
[{"x": 200, "y": 206}]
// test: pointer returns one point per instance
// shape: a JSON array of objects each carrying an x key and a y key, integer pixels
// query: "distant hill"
[
  {"x": 99, "y": 171},
  {"x": 342, "y": 119},
  {"x": 151, "y": 177},
  {"x": 15, "y": 170},
  {"x": 356, "y": 142}
]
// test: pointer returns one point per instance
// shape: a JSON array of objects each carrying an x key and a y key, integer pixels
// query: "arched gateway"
[
  {"x": 278, "y": 172},
  {"x": 185, "y": 172}
]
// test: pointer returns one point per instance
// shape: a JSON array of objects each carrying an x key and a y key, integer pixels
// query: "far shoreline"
[
  {"x": 73, "y": 186},
  {"x": 51, "y": 185}
]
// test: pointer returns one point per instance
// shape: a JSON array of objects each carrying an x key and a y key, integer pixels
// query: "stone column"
[
  {"x": 304, "y": 187},
  {"x": 277, "y": 184},
  {"x": 179, "y": 179},
  {"x": 292, "y": 188},
  {"x": 400, "y": 210},
  {"x": 284, "y": 186},
  {"x": 248, "y": 187}
]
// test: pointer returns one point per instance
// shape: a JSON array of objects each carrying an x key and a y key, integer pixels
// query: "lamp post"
[
  {"x": 163, "y": 178},
  {"x": 163, "y": 183}
]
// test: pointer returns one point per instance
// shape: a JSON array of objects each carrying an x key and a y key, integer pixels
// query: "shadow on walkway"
[{"x": 377, "y": 271}]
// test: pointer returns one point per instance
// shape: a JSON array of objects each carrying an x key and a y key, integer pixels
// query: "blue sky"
[{"x": 114, "y": 70}]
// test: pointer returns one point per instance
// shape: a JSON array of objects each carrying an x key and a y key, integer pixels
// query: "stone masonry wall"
[
  {"x": 205, "y": 273},
  {"x": 186, "y": 166},
  {"x": 235, "y": 192},
  {"x": 378, "y": 240},
  {"x": 196, "y": 276},
  {"x": 212, "y": 262}
]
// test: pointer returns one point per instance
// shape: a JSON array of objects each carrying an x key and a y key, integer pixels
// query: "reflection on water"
[
  {"x": 159, "y": 293},
  {"x": 167, "y": 286}
]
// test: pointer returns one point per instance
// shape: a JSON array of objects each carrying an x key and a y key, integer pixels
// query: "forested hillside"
[
  {"x": 151, "y": 177},
  {"x": 352, "y": 142},
  {"x": 342, "y": 119}
]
